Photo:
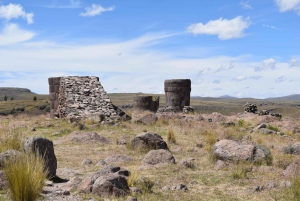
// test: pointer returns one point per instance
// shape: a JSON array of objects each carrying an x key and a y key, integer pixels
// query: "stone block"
[
  {"x": 51, "y": 88},
  {"x": 56, "y": 88}
]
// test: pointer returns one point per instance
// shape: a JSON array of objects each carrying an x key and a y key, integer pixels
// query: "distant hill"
[
  {"x": 16, "y": 93},
  {"x": 227, "y": 97},
  {"x": 294, "y": 97}
]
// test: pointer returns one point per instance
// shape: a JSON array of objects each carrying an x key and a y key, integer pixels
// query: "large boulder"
[
  {"x": 148, "y": 141},
  {"x": 110, "y": 180},
  {"x": 160, "y": 156},
  {"x": 44, "y": 148},
  {"x": 230, "y": 150},
  {"x": 81, "y": 136}
]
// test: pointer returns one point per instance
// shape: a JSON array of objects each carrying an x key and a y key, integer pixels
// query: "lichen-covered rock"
[
  {"x": 109, "y": 181},
  {"x": 160, "y": 156},
  {"x": 232, "y": 150},
  {"x": 81, "y": 136},
  {"x": 3, "y": 183},
  {"x": 43, "y": 147},
  {"x": 292, "y": 170},
  {"x": 148, "y": 119},
  {"x": 148, "y": 141}
]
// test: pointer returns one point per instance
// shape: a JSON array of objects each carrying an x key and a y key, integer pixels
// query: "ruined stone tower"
[
  {"x": 80, "y": 97},
  {"x": 178, "y": 93}
]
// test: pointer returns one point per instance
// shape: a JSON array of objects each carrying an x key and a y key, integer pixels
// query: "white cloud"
[
  {"x": 280, "y": 79},
  {"x": 287, "y": 5},
  {"x": 224, "y": 28},
  {"x": 245, "y": 5},
  {"x": 13, "y": 34},
  {"x": 240, "y": 78},
  {"x": 226, "y": 67},
  {"x": 15, "y": 11},
  {"x": 266, "y": 64},
  {"x": 294, "y": 62},
  {"x": 271, "y": 27},
  {"x": 95, "y": 10}
]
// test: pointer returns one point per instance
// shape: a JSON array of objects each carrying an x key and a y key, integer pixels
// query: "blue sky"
[{"x": 238, "y": 48}]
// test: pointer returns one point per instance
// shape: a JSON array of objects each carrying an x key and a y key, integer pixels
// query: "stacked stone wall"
[{"x": 77, "y": 97}]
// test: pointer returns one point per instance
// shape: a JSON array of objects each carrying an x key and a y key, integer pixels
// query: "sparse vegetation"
[
  {"x": 11, "y": 138},
  {"x": 273, "y": 128},
  {"x": 171, "y": 136}
]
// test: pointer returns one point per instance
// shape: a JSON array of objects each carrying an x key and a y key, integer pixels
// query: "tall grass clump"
[
  {"x": 133, "y": 178},
  {"x": 273, "y": 128},
  {"x": 11, "y": 138},
  {"x": 25, "y": 176},
  {"x": 171, "y": 136}
]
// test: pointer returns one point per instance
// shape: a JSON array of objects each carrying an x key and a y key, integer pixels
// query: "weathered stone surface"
[
  {"x": 252, "y": 108},
  {"x": 292, "y": 149},
  {"x": 118, "y": 158},
  {"x": 292, "y": 170},
  {"x": 3, "y": 183},
  {"x": 220, "y": 165},
  {"x": 143, "y": 102},
  {"x": 109, "y": 181},
  {"x": 111, "y": 184},
  {"x": 148, "y": 140},
  {"x": 81, "y": 136},
  {"x": 232, "y": 150},
  {"x": 160, "y": 156},
  {"x": 43, "y": 147},
  {"x": 267, "y": 131},
  {"x": 148, "y": 119},
  {"x": 188, "y": 163},
  {"x": 7, "y": 155}
]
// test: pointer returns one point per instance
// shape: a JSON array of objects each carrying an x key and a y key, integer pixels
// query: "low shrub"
[
  {"x": 240, "y": 172},
  {"x": 25, "y": 176},
  {"x": 273, "y": 128},
  {"x": 145, "y": 185}
]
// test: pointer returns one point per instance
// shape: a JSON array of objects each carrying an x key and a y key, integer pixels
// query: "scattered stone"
[
  {"x": 148, "y": 141},
  {"x": 258, "y": 188},
  {"x": 188, "y": 110},
  {"x": 101, "y": 163},
  {"x": 80, "y": 136},
  {"x": 167, "y": 110},
  {"x": 4, "y": 156},
  {"x": 285, "y": 184},
  {"x": 109, "y": 181},
  {"x": 117, "y": 158},
  {"x": 3, "y": 183},
  {"x": 180, "y": 187},
  {"x": 270, "y": 185},
  {"x": 33, "y": 128},
  {"x": 220, "y": 165},
  {"x": 165, "y": 188},
  {"x": 267, "y": 131},
  {"x": 228, "y": 124},
  {"x": 130, "y": 198},
  {"x": 86, "y": 162},
  {"x": 135, "y": 190},
  {"x": 148, "y": 119},
  {"x": 263, "y": 112},
  {"x": 43, "y": 147},
  {"x": 292, "y": 170},
  {"x": 160, "y": 156},
  {"x": 230, "y": 150},
  {"x": 71, "y": 185},
  {"x": 188, "y": 163}
]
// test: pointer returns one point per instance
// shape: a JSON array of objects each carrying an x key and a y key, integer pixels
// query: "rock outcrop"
[{"x": 148, "y": 141}]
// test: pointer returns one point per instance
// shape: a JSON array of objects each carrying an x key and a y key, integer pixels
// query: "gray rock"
[
  {"x": 86, "y": 162},
  {"x": 188, "y": 163},
  {"x": 285, "y": 184},
  {"x": 81, "y": 136},
  {"x": 130, "y": 198},
  {"x": 292, "y": 170},
  {"x": 111, "y": 185},
  {"x": 148, "y": 119},
  {"x": 118, "y": 158},
  {"x": 43, "y": 147},
  {"x": 267, "y": 131},
  {"x": 165, "y": 188},
  {"x": 160, "y": 156},
  {"x": 233, "y": 151},
  {"x": 180, "y": 187},
  {"x": 7, "y": 155},
  {"x": 148, "y": 141},
  {"x": 3, "y": 183},
  {"x": 220, "y": 165}
]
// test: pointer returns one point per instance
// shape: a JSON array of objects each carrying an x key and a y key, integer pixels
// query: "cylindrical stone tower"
[
  {"x": 141, "y": 102},
  {"x": 178, "y": 93},
  {"x": 54, "y": 83}
]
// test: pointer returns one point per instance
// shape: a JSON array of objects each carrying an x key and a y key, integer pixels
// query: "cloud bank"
[
  {"x": 95, "y": 10},
  {"x": 15, "y": 11}
]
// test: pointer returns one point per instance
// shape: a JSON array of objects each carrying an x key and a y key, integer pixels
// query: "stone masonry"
[{"x": 75, "y": 97}]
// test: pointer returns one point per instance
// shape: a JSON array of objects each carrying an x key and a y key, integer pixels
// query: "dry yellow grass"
[{"x": 193, "y": 140}]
